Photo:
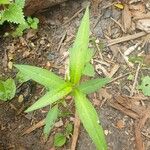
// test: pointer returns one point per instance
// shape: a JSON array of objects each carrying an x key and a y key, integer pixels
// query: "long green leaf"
[
  {"x": 79, "y": 51},
  {"x": 4, "y": 2},
  {"x": 50, "y": 97},
  {"x": 42, "y": 76},
  {"x": 90, "y": 120},
  {"x": 93, "y": 85},
  {"x": 50, "y": 119}
]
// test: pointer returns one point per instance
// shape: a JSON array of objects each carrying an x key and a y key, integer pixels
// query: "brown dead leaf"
[
  {"x": 53, "y": 148},
  {"x": 137, "y": 7},
  {"x": 130, "y": 103},
  {"x": 139, "y": 15},
  {"x": 121, "y": 108},
  {"x": 147, "y": 60},
  {"x": 104, "y": 94},
  {"x": 126, "y": 18},
  {"x": 144, "y": 25}
]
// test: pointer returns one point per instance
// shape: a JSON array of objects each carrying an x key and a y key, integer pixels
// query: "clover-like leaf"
[
  {"x": 145, "y": 86},
  {"x": 7, "y": 89},
  {"x": 59, "y": 139}
]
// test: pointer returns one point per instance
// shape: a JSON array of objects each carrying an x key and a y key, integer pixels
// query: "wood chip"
[
  {"x": 113, "y": 70},
  {"x": 126, "y": 18}
]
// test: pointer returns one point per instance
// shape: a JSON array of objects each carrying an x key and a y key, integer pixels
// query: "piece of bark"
[
  {"x": 37, "y": 6},
  {"x": 126, "y": 18}
]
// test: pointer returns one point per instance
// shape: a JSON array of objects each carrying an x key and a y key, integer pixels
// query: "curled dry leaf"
[
  {"x": 139, "y": 7},
  {"x": 126, "y": 18},
  {"x": 143, "y": 24}
]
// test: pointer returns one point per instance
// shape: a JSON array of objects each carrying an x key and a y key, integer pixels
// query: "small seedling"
[
  {"x": 7, "y": 89},
  {"x": 61, "y": 138},
  {"x": 79, "y": 57},
  {"x": 145, "y": 85}
]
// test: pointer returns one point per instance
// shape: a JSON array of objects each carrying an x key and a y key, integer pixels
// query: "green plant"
[
  {"x": 57, "y": 88},
  {"x": 61, "y": 138},
  {"x": 7, "y": 89},
  {"x": 12, "y": 12},
  {"x": 145, "y": 85}
]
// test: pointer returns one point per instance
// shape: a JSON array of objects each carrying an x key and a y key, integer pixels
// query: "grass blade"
[
  {"x": 90, "y": 120},
  {"x": 79, "y": 51}
]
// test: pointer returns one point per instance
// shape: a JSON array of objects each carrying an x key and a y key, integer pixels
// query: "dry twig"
[
  {"x": 34, "y": 127},
  {"x": 135, "y": 80},
  {"x": 74, "y": 16},
  {"x": 126, "y": 38},
  {"x": 61, "y": 41},
  {"x": 75, "y": 132}
]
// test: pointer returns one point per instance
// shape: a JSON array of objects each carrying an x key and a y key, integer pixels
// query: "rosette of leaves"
[{"x": 57, "y": 88}]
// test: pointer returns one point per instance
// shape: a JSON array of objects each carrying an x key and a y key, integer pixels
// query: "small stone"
[
  {"x": 20, "y": 98},
  {"x": 48, "y": 64},
  {"x": 10, "y": 65},
  {"x": 97, "y": 41},
  {"x": 59, "y": 124},
  {"x": 106, "y": 132}
]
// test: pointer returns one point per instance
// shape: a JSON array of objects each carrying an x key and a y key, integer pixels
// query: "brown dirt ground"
[{"x": 41, "y": 49}]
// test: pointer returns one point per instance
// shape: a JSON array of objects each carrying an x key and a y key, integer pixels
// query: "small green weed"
[
  {"x": 7, "y": 89},
  {"x": 145, "y": 85},
  {"x": 61, "y": 138},
  {"x": 12, "y": 12},
  {"x": 57, "y": 88}
]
